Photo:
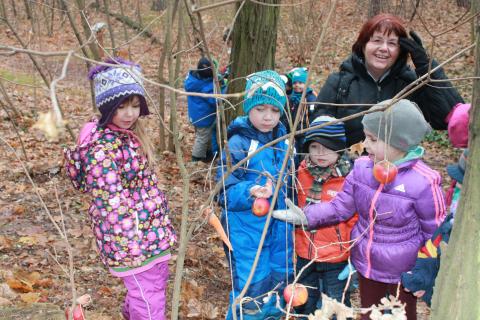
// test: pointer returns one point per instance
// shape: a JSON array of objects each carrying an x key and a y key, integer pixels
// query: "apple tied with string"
[
  {"x": 77, "y": 313},
  {"x": 385, "y": 171},
  {"x": 299, "y": 293},
  {"x": 260, "y": 207}
]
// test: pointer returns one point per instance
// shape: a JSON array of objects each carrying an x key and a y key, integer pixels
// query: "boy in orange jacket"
[{"x": 320, "y": 177}]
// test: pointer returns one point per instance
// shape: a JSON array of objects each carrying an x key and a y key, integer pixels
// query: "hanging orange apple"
[
  {"x": 384, "y": 171},
  {"x": 77, "y": 313},
  {"x": 299, "y": 292},
  {"x": 260, "y": 207}
]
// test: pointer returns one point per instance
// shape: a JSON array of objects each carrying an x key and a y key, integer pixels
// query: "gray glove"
[{"x": 292, "y": 215}]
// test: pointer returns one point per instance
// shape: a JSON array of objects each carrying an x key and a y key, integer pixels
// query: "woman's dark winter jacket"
[{"x": 354, "y": 85}]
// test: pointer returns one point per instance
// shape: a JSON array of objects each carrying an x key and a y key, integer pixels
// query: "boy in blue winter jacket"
[
  {"x": 202, "y": 111},
  {"x": 264, "y": 104}
]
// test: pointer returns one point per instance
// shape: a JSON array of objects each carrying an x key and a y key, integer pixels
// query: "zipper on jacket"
[
  {"x": 371, "y": 231},
  {"x": 379, "y": 89},
  {"x": 310, "y": 246},
  {"x": 337, "y": 230}
]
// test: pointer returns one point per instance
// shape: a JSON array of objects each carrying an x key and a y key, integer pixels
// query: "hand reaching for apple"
[
  {"x": 292, "y": 215},
  {"x": 262, "y": 191}
]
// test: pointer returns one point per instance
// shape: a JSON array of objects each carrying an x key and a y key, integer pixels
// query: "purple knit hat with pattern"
[{"x": 113, "y": 85}]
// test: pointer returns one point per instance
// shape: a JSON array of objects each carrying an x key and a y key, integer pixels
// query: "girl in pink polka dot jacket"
[{"x": 129, "y": 213}]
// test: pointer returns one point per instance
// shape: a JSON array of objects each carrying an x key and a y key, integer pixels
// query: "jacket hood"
[
  {"x": 195, "y": 84},
  {"x": 74, "y": 155},
  {"x": 356, "y": 65},
  {"x": 243, "y": 126}
]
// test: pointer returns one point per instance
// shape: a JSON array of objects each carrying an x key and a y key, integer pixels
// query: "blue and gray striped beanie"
[
  {"x": 264, "y": 87},
  {"x": 331, "y": 136}
]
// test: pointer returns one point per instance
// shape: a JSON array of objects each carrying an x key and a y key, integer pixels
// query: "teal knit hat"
[
  {"x": 299, "y": 75},
  {"x": 264, "y": 87}
]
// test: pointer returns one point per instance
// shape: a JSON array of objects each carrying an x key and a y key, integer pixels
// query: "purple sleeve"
[
  {"x": 340, "y": 209},
  {"x": 430, "y": 208}
]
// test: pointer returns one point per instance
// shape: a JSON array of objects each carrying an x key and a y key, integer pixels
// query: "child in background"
[
  {"x": 299, "y": 78},
  {"x": 129, "y": 213},
  {"x": 394, "y": 219},
  {"x": 320, "y": 177},
  {"x": 202, "y": 112},
  {"x": 421, "y": 279},
  {"x": 263, "y": 105},
  {"x": 458, "y": 125}
]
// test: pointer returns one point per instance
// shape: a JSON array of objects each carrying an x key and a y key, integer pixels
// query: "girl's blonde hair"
[{"x": 146, "y": 143}]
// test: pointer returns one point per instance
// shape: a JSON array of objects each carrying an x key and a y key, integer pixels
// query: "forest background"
[{"x": 44, "y": 228}]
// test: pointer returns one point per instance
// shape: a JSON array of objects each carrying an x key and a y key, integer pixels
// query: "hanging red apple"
[
  {"x": 77, "y": 313},
  {"x": 299, "y": 292},
  {"x": 385, "y": 171},
  {"x": 260, "y": 207}
]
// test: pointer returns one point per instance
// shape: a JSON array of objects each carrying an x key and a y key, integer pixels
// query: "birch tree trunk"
[{"x": 458, "y": 286}]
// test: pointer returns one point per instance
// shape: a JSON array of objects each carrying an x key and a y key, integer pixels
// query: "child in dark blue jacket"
[
  {"x": 299, "y": 78},
  {"x": 264, "y": 104},
  {"x": 202, "y": 111}
]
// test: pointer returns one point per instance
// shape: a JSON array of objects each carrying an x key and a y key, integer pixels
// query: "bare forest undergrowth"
[{"x": 32, "y": 254}]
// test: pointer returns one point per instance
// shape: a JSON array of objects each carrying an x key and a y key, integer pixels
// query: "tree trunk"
[
  {"x": 374, "y": 7},
  {"x": 86, "y": 28},
  {"x": 254, "y": 45},
  {"x": 158, "y": 5},
  {"x": 464, "y": 3},
  {"x": 110, "y": 29},
  {"x": 457, "y": 286},
  {"x": 171, "y": 79},
  {"x": 132, "y": 24},
  {"x": 138, "y": 12},
  {"x": 125, "y": 31},
  {"x": 14, "y": 8},
  {"x": 28, "y": 10}
]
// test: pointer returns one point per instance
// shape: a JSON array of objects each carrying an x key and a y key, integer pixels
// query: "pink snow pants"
[{"x": 145, "y": 298}]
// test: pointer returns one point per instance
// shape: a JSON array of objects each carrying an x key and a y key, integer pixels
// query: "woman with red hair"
[{"x": 377, "y": 70}]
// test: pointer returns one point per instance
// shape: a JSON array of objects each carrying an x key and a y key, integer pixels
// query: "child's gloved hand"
[
  {"x": 349, "y": 268},
  {"x": 292, "y": 215},
  {"x": 262, "y": 191},
  {"x": 421, "y": 279}
]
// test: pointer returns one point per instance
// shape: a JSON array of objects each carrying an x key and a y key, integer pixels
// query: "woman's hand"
[{"x": 414, "y": 47}]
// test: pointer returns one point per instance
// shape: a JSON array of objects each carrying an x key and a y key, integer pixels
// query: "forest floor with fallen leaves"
[{"x": 33, "y": 257}]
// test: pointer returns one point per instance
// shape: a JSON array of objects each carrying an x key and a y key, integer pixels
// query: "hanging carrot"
[{"x": 217, "y": 225}]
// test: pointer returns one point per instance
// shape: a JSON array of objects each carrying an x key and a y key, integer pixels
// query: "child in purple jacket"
[
  {"x": 129, "y": 213},
  {"x": 395, "y": 219}
]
